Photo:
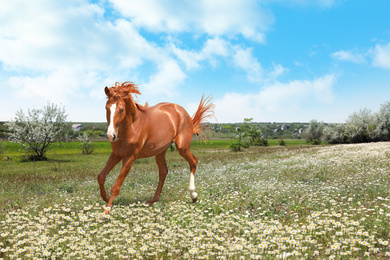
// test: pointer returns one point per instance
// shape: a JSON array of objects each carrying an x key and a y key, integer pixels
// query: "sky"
[{"x": 270, "y": 60}]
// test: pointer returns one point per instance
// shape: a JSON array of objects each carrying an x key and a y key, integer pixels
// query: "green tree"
[
  {"x": 334, "y": 134},
  {"x": 38, "y": 129},
  {"x": 239, "y": 136},
  {"x": 314, "y": 132},
  {"x": 380, "y": 129},
  {"x": 358, "y": 126}
]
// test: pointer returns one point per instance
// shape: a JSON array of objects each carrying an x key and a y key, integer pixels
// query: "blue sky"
[{"x": 272, "y": 60}]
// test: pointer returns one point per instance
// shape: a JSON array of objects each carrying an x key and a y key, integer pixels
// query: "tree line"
[
  {"x": 360, "y": 127},
  {"x": 39, "y": 128}
]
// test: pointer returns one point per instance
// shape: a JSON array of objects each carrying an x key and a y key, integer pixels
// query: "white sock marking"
[{"x": 193, "y": 194}]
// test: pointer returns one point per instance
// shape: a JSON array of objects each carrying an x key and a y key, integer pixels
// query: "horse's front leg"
[
  {"x": 112, "y": 161},
  {"x": 127, "y": 163}
]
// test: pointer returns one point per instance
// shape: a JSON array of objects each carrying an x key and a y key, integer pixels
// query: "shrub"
[
  {"x": 316, "y": 142},
  {"x": 314, "y": 132},
  {"x": 334, "y": 134},
  {"x": 358, "y": 126},
  {"x": 380, "y": 127},
  {"x": 94, "y": 133},
  {"x": 282, "y": 142},
  {"x": 236, "y": 146},
  {"x": 260, "y": 142},
  {"x": 240, "y": 134},
  {"x": 87, "y": 147}
]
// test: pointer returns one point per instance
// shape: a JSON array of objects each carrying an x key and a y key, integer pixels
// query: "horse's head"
[
  {"x": 116, "y": 106},
  {"x": 115, "y": 112}
]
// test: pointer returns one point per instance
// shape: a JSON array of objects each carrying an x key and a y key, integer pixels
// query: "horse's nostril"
[{"x": 114, "y": 137}]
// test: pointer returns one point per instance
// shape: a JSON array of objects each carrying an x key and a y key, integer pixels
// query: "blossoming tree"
[{"x": 38, "y": 129}]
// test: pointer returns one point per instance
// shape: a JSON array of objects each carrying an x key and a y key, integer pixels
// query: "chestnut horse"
[{"x": 137, "y": 131}]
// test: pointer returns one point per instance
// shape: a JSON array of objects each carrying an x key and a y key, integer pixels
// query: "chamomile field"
[{"x": 290, "y": 202}]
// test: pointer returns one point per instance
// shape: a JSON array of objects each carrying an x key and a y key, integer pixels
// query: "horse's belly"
[{"x": 152, "y": 149}]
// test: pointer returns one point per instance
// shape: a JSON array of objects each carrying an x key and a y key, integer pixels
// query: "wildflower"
[{"x": 193, "y": 251}]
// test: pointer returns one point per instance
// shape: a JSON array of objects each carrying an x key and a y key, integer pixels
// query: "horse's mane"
[{"x": 124, "y": 91}]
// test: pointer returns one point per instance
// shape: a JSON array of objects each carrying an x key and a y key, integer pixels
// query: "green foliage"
[
  {"x": 87, "y": 147},
  {"x": 380, "y": 128},
  {"x": 260, "y": 142},
  {"x": 2, "y": 146},
  {"x": 236, "y": 145},
  {"x": 282, "y": 142},
  {"x": 334, "y": 134},
  {"x": 94, "y": 133},
  {"x": 240, "y": 133},
  {"x": 315, "y": 142},
  {"x": 358, "y": 125},
  {"x": 314, "y": 132}
]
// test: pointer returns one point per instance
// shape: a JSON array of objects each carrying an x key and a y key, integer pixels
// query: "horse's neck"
[
  {"x": 131, "y": 116},
  {"x": 131, "y": 110}
]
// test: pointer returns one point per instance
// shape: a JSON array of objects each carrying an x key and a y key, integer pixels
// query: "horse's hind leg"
[
  {"x": 162, "y": 174},
  {"x": 185, "y": 152}
]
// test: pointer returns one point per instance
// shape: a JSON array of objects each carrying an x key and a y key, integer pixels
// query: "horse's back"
[
  {"x": 176, "y": 114},
  {"x": 166, "y": 122}
]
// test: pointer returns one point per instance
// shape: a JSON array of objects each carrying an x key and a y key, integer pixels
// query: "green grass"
[
  {"x": 72, "y": 148},
  {"x": 270, "y": 202}
]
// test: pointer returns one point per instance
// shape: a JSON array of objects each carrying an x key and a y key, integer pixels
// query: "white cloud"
[
  {"x": 274, "y": 101},
  {"x": 350, "y": 56},
  {"x": 212, "y": 50},
  {"x": 381, "y": 56},
  {"x": 244, "y": 59},
  {"x": 166, "y": 80},
  {"x": 215, "y": 18},
  {"x": 319, "y": 3},
  {"x": 55, "y": 50}
]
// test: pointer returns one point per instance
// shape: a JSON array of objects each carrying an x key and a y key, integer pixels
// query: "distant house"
[
  {"x": 284, "y": 127},
  {"x": 77, "y": 127}
]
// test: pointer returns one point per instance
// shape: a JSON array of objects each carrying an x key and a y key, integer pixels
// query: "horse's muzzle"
[{"x": 112, "y": 137}]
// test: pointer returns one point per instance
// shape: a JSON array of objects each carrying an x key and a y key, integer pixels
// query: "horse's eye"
[{"x": 121, "y": 111}]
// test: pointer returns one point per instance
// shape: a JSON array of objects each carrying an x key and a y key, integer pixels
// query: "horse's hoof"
[
  {"x": 150, "y": 202},
  {"x": 194, "y": 197},
  {"x": 103, "y": 218}
]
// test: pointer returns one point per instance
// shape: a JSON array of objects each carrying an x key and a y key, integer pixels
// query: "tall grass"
[{"x": 267, "y": 202}]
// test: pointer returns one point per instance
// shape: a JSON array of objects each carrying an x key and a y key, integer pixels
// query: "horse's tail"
[{"x": 205, "y": 111}]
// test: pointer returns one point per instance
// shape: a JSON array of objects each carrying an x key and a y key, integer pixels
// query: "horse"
[{"x": 137, "y": 131}]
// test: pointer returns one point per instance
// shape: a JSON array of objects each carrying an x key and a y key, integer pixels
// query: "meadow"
[{"x": 276, "y": 202}]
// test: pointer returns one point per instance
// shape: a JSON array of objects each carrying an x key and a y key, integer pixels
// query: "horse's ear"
[{"x": 107, "y": 90}]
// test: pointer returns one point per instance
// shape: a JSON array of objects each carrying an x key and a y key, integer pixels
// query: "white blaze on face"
[{"x": 112, "y": 133}]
